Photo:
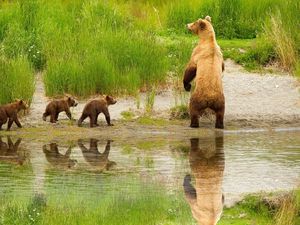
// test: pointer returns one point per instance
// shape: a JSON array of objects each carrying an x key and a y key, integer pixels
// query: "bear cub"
[
  {"x": 10, "y": 112},
  {"x": 96, "y": 106},
  {"x": 57, "y": 106}
]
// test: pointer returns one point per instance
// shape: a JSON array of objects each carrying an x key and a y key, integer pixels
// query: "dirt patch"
[{"x": 252, "y": 100}]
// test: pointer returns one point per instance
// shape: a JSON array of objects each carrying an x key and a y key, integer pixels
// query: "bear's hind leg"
[
  {"x": 92, "y": 120},
  {"x": 52, "y": 118},
  {"x": 220, "y": 119},
  {"x": 81, "y": 119}
]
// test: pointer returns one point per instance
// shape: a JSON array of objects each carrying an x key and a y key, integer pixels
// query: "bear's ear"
[
  {"x": 69, "y": 98},
  {"x": 202, "y": 25},
  {"x": 21, "y": 102},
  {"x": 107, "y": 97},
  {"x": 208, "y": 18}
]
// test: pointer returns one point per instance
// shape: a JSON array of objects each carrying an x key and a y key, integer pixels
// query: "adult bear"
[{"x": 206, "y": 66}]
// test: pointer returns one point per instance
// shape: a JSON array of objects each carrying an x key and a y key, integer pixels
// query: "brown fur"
[
  {"x": 206, "y": 66},
  {"x": 96, "y": 159},
  {"x": 207, "y": 166},
  {"x": 10, "y": 112},
  {"x": 9, "y": 151},
  {"x": 57, "y": 159},
  {"x": 57, "y": 106},
  {"x": 93, "y": 108}
]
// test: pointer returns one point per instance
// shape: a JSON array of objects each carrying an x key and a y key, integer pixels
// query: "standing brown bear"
[
  {"x": 55, "y": 107},
  {"x": 10, "y": 112},
  {"x": 96, "y": 106},
  {"x": 206, "y": 66}
]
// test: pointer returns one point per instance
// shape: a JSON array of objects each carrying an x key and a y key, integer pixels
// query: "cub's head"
[
  {"x": 201, "y": 27},
  {"x": 21, "y": 104},
  {"x": 71, "y": 101},
  {"x": 110, "y": 100}
]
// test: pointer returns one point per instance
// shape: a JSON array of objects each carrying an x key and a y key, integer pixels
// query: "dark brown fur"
[
  {"x": 10, "y": 112},
  {"x": 93, "y": 108},
  {"x": 57, "y": 106}
]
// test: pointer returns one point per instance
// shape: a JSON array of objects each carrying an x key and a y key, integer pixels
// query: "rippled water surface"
[{"x": 202, "y": 171}]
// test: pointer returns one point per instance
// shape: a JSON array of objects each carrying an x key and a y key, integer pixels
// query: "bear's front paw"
[{"x": 187, "y": 86}]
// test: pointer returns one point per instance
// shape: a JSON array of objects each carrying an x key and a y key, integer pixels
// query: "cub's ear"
[
  {"x": 208, "y": 18},
  {"x": 21, "y": 102},
  {"x": 107, "y": 97},
  {"x": 69, "y": 98}
]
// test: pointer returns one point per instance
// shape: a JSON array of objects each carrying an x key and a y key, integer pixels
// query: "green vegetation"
[
  {"x": 86, "y": 47},
  {"x": 148, "y": 120},
  {"x": 127, "y": 115},
  {"x": 17, "y": 81},
  {"x": 139, "y": 204}
]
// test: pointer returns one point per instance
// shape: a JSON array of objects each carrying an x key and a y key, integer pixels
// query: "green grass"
[
  {"x": 121, "y": 47},
  {"x": 148, "y": 120},
  {"x": 135, "y": 205},
  {"x": 17, "y": 80}
]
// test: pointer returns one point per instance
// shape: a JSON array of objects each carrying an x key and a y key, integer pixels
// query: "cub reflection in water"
[
  {"x": 207, "y": 166},
  {"x": 9, "y": 151},
  {"x": 97, "y": 160},
  {"x": 56, "y": 159}
]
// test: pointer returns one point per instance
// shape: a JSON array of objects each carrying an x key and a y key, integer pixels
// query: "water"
[{"x": 215, "y": 169}]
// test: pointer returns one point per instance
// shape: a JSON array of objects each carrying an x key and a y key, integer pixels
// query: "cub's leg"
[
  {"x": 45, "y": 115},
  {"x": 96, "y": 120},
  {"x": 52, "y": 118},
  {"x": 107, "y": 117},
  {"x": 17, "y": 121},
  {"x": 56, "y": 116},
  {"x": 92, "y": 120},
  {"x": 81, "y": 119},
  {"x": 69, "y": 115},
  {"x": 10, "y": 122}
]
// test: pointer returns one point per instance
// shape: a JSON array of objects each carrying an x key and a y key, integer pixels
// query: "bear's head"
[
  {"x": 71, "y": 101},
  {"x": 21, "y": 104},
  {"x": 110, "y": 100},
  {"x": 201, "y": 27}
]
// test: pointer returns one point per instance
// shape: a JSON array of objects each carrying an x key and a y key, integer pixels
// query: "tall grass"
[
  {"x": 17, "y": 81},
  {"x": 231, "y": 18},
  {"x": 274, "y": 23},
  {"x": 96, "y": 49},
  {"x": 288, "y": 211}
]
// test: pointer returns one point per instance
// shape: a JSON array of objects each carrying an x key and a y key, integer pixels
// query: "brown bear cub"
[
  {"x": 96, "y": 106},
  {"x": 10, "y": 112},
  {"x": 206, "y": 66},
  {"x": 55, "y": 107}
]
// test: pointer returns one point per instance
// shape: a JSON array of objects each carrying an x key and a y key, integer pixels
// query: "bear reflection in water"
[
  {"x": 207, "y": 166},
  {"x": 9, "y": 151},
  {"x": 97, "y": 160},
  {"x": 56, "y": 159}
]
